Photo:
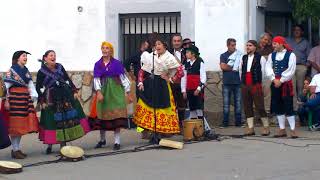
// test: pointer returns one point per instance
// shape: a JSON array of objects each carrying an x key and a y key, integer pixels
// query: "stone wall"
[{"x": 213, "y": 93}]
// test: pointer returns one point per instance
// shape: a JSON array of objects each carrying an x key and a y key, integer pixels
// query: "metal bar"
[
  {"x": 164, "y": 24},
  {"x": 158, "y": 24},
  {"x": 129, "y": 25},
  {"x": 152, "y": 29},
  {"x": 170, "y": 24},
  {"x": 176, "y": 24},
  {"x": 147, "y": 25}
]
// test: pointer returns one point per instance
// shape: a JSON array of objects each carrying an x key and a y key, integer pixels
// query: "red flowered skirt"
[{"x": 167, "y": 118}]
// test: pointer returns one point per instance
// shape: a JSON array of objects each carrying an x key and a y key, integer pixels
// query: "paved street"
[{"x": 228, "y": 159}]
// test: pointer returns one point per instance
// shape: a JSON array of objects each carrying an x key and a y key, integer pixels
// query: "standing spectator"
[
  {"x": 176, "y": 86},
  {"x": 177, "y": 49},
  {"x": 134, "y": 60},
  {"x": 314, "y": 59},
  {"x": 301, "y": 48},
  {"x": 231, "y": 84},
  {"x": 264, "y": 49}
]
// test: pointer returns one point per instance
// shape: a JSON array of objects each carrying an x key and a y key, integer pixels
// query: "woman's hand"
[
  {"x": 76, "y": 96},
  {"x": 129, "y": 97},
  {"x": 100, "y": 96},
  {"x": 44, "y": 105},
  {"x": 140, "y": 87},
  {"x": 165, "y": 77},
  {"x": 7, "y": 104}
]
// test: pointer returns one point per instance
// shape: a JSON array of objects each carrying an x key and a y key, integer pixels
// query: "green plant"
[{"x": 304, "y": 9}]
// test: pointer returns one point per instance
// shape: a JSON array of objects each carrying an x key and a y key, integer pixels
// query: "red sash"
[{"x": 193, "y": 81}]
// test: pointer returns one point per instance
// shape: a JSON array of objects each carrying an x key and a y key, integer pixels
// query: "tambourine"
[
  {"x": 8, "y": 167},
  {"x": 72, "y": 153}
]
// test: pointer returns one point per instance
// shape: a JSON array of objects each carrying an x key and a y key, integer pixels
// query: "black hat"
[
  {"x": 193, "y": 49},
  {"x": 17, "y": 54},
  {"x": 187, "y": 41}
]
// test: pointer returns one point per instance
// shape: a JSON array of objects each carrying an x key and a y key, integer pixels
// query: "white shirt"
[
  {"x": 288, "y": 73},
  {"x": 315, "y": 82},
  {"x": 177, "y": 54},
  {"x": 203, "y": 77},
  {"x": 249, "y": 64}
]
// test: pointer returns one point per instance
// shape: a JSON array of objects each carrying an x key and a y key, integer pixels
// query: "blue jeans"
[
  {"x": 313, "y": 105},
  {"x": 226, "y": 93}
]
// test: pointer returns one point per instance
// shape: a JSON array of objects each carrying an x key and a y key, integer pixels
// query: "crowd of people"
[
  {"x": 164, "y": 87},
  {"x": 271, "y": 78},
  {"x": 276, "y": 76}
]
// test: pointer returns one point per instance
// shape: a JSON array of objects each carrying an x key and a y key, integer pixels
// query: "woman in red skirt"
[{"x": 20, "y": 94}]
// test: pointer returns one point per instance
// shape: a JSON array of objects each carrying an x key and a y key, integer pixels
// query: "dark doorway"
[{"x": 137, "y": 27}]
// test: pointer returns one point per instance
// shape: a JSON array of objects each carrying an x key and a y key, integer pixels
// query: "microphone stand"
[{"x": 155, "y": 138}]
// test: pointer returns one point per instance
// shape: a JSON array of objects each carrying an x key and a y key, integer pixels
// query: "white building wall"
[
  {"x": 215, "y": 22},
  {"x": 37, "y": 26},
  {"x": 116, "y": 7}
]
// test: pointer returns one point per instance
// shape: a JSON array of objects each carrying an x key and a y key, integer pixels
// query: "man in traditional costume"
[
  {"x": 280, "y": 68},
  {"x": 252, "y": 68}
]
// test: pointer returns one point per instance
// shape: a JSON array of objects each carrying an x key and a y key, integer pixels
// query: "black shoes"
[
  {"x": 49, "y": 150},
  {"x": 116, "y": 147},
  {"x": 100, "y": 144}
]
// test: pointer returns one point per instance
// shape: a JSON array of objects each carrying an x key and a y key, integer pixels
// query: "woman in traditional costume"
[
  {"x": 155, "y": 92},
  {"x": 109, "y": 107},
  {"x": 62, "y": 117},
  {"x": 20, "y": 95}
]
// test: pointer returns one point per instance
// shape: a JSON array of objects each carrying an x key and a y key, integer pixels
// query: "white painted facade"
[{"x": 37, "y": 26}]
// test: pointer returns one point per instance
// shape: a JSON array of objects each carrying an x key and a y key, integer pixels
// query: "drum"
[
  {"x": 72, "y": 153},
  {"x": 193, "y": 129},
  {"x": 7, "y": 167}
]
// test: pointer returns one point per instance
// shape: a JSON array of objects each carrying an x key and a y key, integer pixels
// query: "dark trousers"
[
  {"x": 281, "y": 105},
  {"x": 250, "y": 96}
]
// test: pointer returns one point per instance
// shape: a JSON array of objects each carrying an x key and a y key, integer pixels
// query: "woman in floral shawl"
[
  {"x": 109, "y": 108},
  {"x": 62, "y": 118}
]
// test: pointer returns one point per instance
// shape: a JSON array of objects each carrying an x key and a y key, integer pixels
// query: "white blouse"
[
  {"x": 288, "y": 73},
  {"x": 124, "y": 81}
]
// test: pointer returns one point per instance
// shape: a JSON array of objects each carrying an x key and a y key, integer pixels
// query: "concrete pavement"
[{"x": 228, "y": 159}]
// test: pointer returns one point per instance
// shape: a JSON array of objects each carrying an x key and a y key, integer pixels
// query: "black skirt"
[{"x": 156, "y": 92}]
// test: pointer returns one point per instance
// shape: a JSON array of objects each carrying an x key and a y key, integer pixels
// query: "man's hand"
[
  {"x": 196, "y": 92},
  {"x": 184, "y": 95},
  {"x": 277, "y": 83},
  {"x": 312, "y": 96}
]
